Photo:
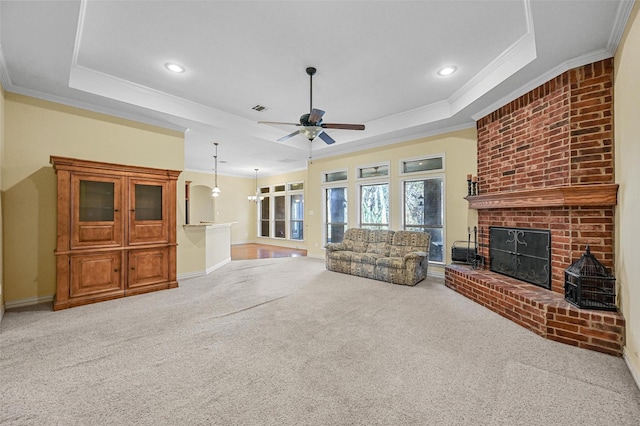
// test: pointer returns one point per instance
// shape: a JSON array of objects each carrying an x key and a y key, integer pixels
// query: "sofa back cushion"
[
  {"x": 380, "y": 242},
  {"x": 405, "y": 242},
  {"x": 356, "y": 239}
]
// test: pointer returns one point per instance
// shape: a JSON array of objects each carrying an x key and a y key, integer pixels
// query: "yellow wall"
[
  {"x": 459, "y": 149},
  {"x": 36, "y": 129},
  {"x": 231, "y": 206},
  {"x": 1, "y": 198},
  {"x": 627, "y": 155}
]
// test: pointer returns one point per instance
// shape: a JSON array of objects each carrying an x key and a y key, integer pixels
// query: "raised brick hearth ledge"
[{"x": 542, "y": 311}]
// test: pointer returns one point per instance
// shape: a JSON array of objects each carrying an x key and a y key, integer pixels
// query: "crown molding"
[
  {"x": 579, "y": 61},
  {"x": 619, "y": 25}
]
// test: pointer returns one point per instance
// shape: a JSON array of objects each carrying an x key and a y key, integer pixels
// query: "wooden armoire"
[{"x": 116, "y": 231}]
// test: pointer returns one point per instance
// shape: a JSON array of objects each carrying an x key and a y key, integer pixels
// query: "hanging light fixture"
[
  {"x": 256, "y": 198},
  {"x": 215, "y": 192}
]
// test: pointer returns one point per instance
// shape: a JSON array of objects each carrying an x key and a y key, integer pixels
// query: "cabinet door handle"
[
  {"x": 133, "y": 210},
  {"x": 133, "y": 267},
  {"x": 116, "y": 210},
  {"x": 115, "y": 270}
]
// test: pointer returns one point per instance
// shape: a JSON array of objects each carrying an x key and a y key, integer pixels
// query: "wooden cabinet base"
[{"x": 80, "y": 301}]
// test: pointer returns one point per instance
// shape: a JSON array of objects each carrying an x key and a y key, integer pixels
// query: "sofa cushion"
[
  {"x": 380, "y": 242},
  {"x": 356, "y": 239},
  {"x": 405, "y": 242},
  {"x": 341, "y": 255},
  {"x": 391, "y": 262},
  {"x": 370, "y": 258}
]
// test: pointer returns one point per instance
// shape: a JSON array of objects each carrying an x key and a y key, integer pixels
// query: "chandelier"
[
  {"x": 215, "y": 192},
  {"x": 256, "y": 198}
]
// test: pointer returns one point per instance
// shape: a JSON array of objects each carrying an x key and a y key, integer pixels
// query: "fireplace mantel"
[{"x": 576, "y": 195}]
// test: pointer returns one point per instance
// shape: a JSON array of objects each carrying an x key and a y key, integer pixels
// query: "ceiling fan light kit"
[{"x": 311, "y": 123}]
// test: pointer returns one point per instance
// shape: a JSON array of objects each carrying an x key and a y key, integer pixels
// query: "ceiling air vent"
[{"x": 259, "y": 108}]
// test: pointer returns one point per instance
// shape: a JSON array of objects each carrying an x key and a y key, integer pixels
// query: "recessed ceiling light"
[
  {"x": 174, "y": 67},
  {"x": 446, "y": 71}
]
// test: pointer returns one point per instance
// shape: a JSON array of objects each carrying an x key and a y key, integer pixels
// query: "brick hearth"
[
  {"x": 544, "y": 312},
  {"x": 545, "y": 161}
]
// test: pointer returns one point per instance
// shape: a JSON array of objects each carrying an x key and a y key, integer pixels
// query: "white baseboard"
[
  {"x": 189, "y": 275},
  {"x": 29, "y": 301},
  {"x": 196, "y": 274},
  {"x": 634, "y": 373},
  {"x": 218, "y": 265}
]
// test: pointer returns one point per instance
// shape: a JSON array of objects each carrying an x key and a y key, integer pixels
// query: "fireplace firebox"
[{"x": 521, "y": 253}]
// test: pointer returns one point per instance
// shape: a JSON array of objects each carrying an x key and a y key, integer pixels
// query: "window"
[
  {"x": 264, "y": 217},
  {"x": 427, "y": 164},
  {"x": 337, "y": 176},
  {"x": 281, "y": 213},
  {"x": 279, "y": 217},
  {"x": 424, "y": 212},
  {"x": 335, "y": 214},
  {"x": 298, "y": 186},
  {"x": 373, "y": 171},
  {"x": 374, "y": 206},
  {"x": 297, "y": 215}
]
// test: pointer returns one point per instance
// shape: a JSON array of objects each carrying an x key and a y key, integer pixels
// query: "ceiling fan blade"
[
  {"x": 290, "y": 135},
  {"x": 278, "y": 122},
  {"x": 342, "y": 126},
  {"x": 326, "y": 138},
  {"x": 315, "y": 116}
]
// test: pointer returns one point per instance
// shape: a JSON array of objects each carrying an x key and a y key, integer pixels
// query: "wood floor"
[{"x": 262, "y": 251}]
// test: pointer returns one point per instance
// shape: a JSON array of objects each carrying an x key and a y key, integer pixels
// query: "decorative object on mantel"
[
  {"x": 589, "y": 285},
  {"x": 257, "y": 197},
  {"x": 215, "y": 192},
  {"x": 472, "y": 185}
]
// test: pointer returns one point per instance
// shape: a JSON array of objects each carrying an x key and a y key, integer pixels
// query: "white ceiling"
[{"x": 376, "y": 61}]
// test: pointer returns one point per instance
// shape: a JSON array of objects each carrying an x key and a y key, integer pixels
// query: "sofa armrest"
[
  {"x": 334, "y": 246},
  {"x": 416, "y": 255}
]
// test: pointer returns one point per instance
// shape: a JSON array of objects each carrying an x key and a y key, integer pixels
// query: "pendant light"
[
  {"x": 216, "y": 191},
  {"x": 256, "y": 198}
]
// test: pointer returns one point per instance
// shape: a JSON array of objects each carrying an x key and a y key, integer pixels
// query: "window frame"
[
  {"x": 423, "y": 176},
  {"x": 290, "y": 221},
  {"x": 269, "y": 193},
  {"x": 326, "y": 185},
  {"x": 402, "y": 161}
]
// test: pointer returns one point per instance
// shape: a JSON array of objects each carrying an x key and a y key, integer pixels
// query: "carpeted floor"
[{"x": 285, "y": 342}]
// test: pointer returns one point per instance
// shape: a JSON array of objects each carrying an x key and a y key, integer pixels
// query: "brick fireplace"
[{"x": 545, "y": 161}]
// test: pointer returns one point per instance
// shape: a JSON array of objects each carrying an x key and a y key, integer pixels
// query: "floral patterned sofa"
[{"x": 398, "y": 257}]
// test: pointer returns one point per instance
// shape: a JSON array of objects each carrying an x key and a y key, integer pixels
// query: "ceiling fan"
[{"x": 311, "y": 123}]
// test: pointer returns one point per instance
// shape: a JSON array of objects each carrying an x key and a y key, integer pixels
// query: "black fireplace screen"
[{"x": 521, "y": 253}]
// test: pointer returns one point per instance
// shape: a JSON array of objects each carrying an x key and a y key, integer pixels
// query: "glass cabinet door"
[
  {"x": 147, "y": 220},
  {"x": 96, "y": 217},
  {"x": 148, "y": 200}
]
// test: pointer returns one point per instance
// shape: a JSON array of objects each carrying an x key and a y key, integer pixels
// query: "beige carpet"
[{"x": 285, "y": 342}]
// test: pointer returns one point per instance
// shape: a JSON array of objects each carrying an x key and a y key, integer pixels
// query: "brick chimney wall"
[
  {"x": 559, "y": 134},
  {"x": 535, "y": 155}
]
